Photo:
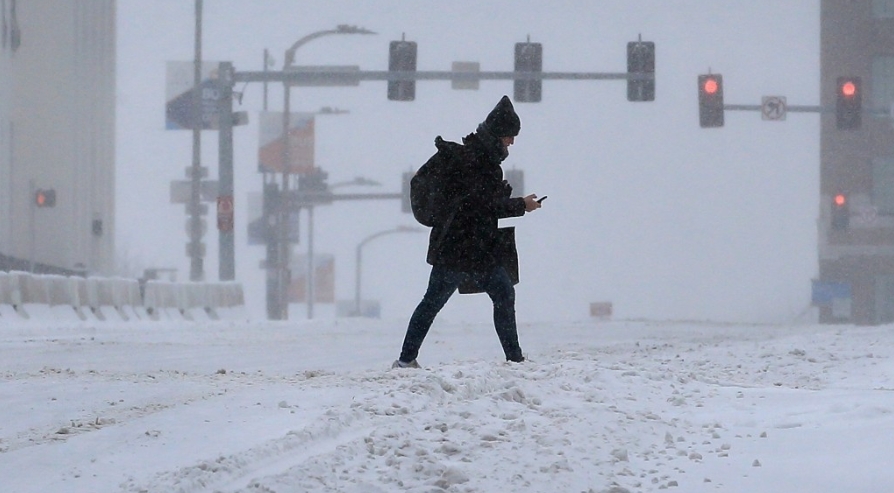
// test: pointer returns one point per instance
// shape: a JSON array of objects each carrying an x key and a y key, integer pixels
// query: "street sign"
[
  {"x": 179, "y": 109},
  {"x": 181, "y": 191},
  {"x": 271, "y": 142},
  {"x": 324, "y": 278},
  {"x": 773, "y": 108},
  {"x": 203, "y": 227},
  {"x": 327, "y": 75},
  {"x": 465, "y": 67},
  {"x": 198, "y": 209},
  {"x": 823, "y": 292},
  {"x": 867, "y": 215}
]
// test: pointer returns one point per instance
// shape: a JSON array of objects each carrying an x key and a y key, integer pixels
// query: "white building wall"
[{"x": 60, "y": 112}]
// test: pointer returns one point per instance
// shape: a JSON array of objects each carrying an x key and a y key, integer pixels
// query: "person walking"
[{"x": 464, "y": 244}]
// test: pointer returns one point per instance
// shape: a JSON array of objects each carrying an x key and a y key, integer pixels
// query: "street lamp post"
[
  {"x": 283, "y": 275},
  {"x": 399, "y": 229},
  {"x": 310, "y": 290}
]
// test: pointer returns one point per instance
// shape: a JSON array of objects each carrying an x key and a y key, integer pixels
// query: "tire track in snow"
[{"x": 226, "y": 472}]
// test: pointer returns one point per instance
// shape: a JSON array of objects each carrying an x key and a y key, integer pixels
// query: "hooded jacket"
[{"x": 467, "y": 239}]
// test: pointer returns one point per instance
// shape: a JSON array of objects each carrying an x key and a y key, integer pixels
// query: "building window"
[
  {"x": 883, "y": 9},
  {"x": 883, "y": 184},
  {"x": 882, "y": 86}
]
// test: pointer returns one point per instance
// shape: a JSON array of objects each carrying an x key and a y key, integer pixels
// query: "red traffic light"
[
  {"x": 849, "y": 103},
  {"x": 710, "y": 100},
  {"x": 840, "y": 200},
  {"x": 45, "y": 198},
  {"x": 840, "y": 212}
]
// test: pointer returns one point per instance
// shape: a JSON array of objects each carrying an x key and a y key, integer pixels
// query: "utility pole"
[
  {"x": 196, "y": 268},
  {"x": 225, "y": 200}
]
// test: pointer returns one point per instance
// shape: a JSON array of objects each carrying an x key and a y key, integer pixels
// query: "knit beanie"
[{"x": 502, "y": 121}]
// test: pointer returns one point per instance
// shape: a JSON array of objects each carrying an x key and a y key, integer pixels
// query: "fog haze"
[{"x": 646, "y": 210}]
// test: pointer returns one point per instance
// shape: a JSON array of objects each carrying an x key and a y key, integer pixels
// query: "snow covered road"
[{"x": 313, "y": 406}]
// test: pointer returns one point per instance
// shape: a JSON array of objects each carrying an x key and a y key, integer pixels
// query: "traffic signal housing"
[
  {"x": 641, "y": 60},
  {"x": 270, "y": 210},
  {"x": 528, "y": 58},
  {"x": 45, "y": 198},
  {"x": 849, "y": 104},
  {"x": 402, "y": 58},
  {"x": 840, "y": 212},
  {"x": 313, "y": 181},
  {"x": 710, "y": 100}
]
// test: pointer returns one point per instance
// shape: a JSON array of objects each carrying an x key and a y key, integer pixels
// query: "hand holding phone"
[{"x": 532, "y": 203}]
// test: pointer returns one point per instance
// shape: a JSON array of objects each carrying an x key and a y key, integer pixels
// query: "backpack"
[{"x": 428, "y": 194}]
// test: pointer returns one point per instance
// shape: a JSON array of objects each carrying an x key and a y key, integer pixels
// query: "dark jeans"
[{"x": 442, "y": 283}]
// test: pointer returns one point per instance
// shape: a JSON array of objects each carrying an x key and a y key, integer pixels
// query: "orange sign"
[{"x": 296, "y": 145}]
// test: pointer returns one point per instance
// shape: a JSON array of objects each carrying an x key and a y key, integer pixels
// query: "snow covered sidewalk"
[{"x": 600, "y": 407}]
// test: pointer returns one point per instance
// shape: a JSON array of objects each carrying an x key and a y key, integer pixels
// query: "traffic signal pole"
[
  {"x": 342, "y": 77},
  {"x": 792, "y": 108},
  {"x": 225, "y": 201},
  {"x": 848, "y": 105},
  {"x": 196, "y": 255}
]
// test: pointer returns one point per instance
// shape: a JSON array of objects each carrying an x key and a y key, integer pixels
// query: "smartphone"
[{"x": 541, "y": 199}]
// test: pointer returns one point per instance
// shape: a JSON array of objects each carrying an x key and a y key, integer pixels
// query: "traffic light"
[
  {"x": 848, "y": 108},
  {"x": 840, "y": 212},
  {"x": 402, "y": 58},
  {"x": 528, "y": 58},
  {"x": 641, "y": 60},
  {"x": 314, "y": 181},
  {"x": 45, "y": 198},
  {"x": 710, "y": 100}
]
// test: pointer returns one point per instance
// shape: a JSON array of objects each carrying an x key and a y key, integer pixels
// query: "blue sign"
[
  {"x": 823, "y": 292},
  {"x": 180, "y": 96},
  {"x": 180, "y": 112}
]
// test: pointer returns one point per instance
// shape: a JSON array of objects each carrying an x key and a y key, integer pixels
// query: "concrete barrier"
[
  {"x": 24, "y": 295},
  {"x": 34, "y": 290},
  {"x": 61, "y": 290},
  {"x": 9, "y": 296},
  {"x": 6, "y": 289},
  {"x": 63, "y": 297}
]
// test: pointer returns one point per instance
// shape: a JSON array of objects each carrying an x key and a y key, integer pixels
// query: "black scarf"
[{"x": 492, "y": 146}]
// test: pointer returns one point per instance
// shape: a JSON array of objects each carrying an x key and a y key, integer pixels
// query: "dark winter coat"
[{"x": 465, "y": 239}]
